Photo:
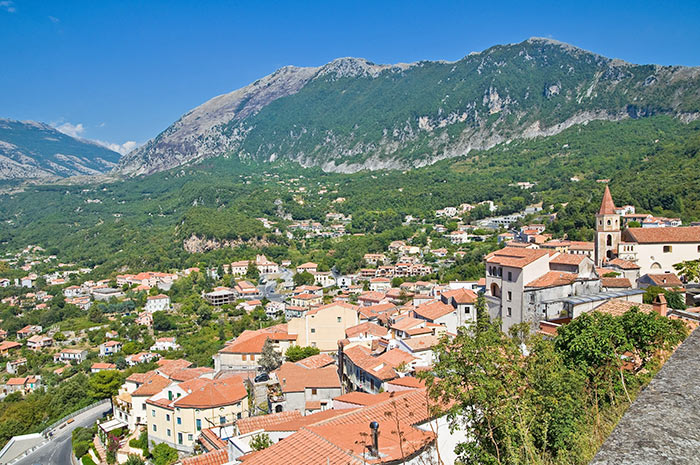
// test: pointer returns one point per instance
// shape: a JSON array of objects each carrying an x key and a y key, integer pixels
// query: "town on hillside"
[{"x": 309, "y": 365}]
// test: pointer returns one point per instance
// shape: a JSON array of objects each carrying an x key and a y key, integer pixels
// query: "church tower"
[{"x": 607, "y": 230}]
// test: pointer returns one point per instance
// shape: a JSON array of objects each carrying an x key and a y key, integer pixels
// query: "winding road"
[{"x": 58, "y": 450}]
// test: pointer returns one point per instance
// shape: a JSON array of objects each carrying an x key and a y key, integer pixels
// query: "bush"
[
  {"x": 81, "y": 448},
  {"x": 87, "y": 460},
  {"x": 163, "y": 454}
]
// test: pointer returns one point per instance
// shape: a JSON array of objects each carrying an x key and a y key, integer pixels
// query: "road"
[{"x": 58, "y": 450}]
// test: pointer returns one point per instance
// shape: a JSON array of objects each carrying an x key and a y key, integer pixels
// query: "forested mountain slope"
[{"x": 351, "y": 114}]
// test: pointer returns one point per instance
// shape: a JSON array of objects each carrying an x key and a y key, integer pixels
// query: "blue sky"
[{"x": 120, "y": 71}]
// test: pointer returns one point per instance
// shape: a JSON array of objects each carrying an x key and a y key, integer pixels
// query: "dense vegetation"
[
  {"x": 140, "y": 223},
  {"x": 558, "y": 402}
]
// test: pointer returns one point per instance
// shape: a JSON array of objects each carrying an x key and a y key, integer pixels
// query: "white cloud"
[
  {"x": 122, "y": 149},
  {"x": 54, "y": 19},
  {"x": 8, "y": 6},
  {"x": 73, "y": 130},
  {"x": 77, "y": 130}
]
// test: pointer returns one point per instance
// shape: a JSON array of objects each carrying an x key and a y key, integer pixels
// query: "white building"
[{"x": 157, "y": 303}]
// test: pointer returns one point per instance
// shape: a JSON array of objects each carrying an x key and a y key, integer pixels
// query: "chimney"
[
  {"x": 659, "y": 305},
  {"x": 374, "y": 448}
]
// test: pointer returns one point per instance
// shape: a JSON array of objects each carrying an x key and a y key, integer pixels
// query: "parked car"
[{"x": 262, "y": 377}]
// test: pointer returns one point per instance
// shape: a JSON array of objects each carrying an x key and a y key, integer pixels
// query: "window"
[
  {"x": 510, "y": 276},
  {"x": 252, "y": 357},
  {"x": 167, "y": 417},
  {"x": 313, "y": 330},
  {"x": 153, "y": 413},
  {"x": 199, "y": 424},
  {"x": 244, "y": 357},
  {"x": 509, "y": 312},
  {"x": 532, "y": 298},
  {"x": 238, "y": 415},
  {"x": 340, "y": 320},
  {"x": 179, "y": 420},
  {"x": 143, "y": 406},
  {"x": 222, "y": 420},
  {"x": 155, "y": 428},
  {"x": 189, "y": 437},
  {"x": 510, "y": 295},
  {"x": 179, "y": 438},
  {"x": 466, "y": 310},
  {"x": 668, "y": 249},
  {"x": 314, "y": 391},
  {"x": 609, "y": 239},
  {"x": 168, "y": 432}
]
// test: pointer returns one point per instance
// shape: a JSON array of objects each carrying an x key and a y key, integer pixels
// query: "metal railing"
[{"x": 71, "y": 415}]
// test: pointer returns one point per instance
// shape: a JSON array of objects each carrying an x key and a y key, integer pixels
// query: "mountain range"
[
  {"x": 29, "y": 149},
  {"x": 351, "y": 114}
]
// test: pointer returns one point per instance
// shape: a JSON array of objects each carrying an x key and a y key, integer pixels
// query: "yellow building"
[
  {"x": 178, "y": 413},
  {"x": 324, "y": 326}
]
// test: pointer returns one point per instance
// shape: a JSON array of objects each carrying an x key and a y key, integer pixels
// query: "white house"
[
  {"x": 165, "y": 343},
  {"x": 157, "y": 303},
  {"x": 110, "y": 348}
]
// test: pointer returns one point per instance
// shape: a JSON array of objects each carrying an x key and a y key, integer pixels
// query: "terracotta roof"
[
  {"x": 312, "y": 405},
  {"x": 332, "y": 305},
  {"x": 211, "y": 441},
  {"x": 362, "y": 399},
  {"x": 617, "y": 307},
  {"x": 433, "y": 310},
  {"x": 250, "y": 424},
  {"x": 623, "y": 264},
  {"x": 515, "y": 257},
  {"x": 665, "y": 280},
  {"x": 303, "y": 447},
  {"x": 295, "y": 378},
  {"x": 168, "y": 367},
  {"x": 316, "y": 361},
  {"x": 367, "y": 327},
  {"x": 208, "y": 393},
  {"x": 553, "y": 278},
  {"x": 461, "y": 296},
  {"x": 417, "y": 344},
  {"x": 663, "y": 235},
  {"x": 217, "y": 457},
  {"x": 103, "y": 366},
  {"x": 408, "y": 381},
  {"x": 189, "y": 373},
  {"x": 372, "y": 296},
  {"x": 360, "y": 356},
  {"x": 616, "y": 282},
  {"x": 408, "y": 322},
  {"x": 396, "y": 357},
  {"x": 297, "y": 423},
  {"x": 607, "y": 206},
  {"x": 152, "y": 386},
  {"x": 568, "y": 259},
  {"x": 252, "y": 345}
]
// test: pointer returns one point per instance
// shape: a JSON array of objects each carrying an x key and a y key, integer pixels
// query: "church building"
[{"x": 654, "y": 250}]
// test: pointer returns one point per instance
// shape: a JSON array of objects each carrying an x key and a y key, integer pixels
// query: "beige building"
[
  {"x": 178, "y": 413},
  {"x": 245, "y": 351},
  {"x": 324, "y": 326}
]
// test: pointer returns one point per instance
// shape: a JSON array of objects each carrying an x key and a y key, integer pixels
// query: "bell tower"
[{"x": 607, "y": 230}]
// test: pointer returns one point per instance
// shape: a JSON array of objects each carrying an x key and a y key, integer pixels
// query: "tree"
[
  {"x": 296, "y": 353},
  {"x": 163, "y": 454},
  {"x": 688, "y": 270},
  {"x": 252, "y": 273},
  {"x": 105, "y": 384},
  {"x": 134, "y": 459},
  {"x": 270, "y": 360},
  {"x": 162, "y": 322},
  {"x": 673, "y": 299},
  {"x": 303, "y": 278},
  {"x": 260, "y": 441}
]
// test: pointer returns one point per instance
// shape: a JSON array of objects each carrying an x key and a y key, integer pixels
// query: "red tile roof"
[
  {"x": 103, "y": 366},
  {"x": 515, "y": 257},
  {"x": 553, "y": 278},
  {"x": 617, "y": 307},
  {"x": 417, "y": 344},
  {"x": 461, "y": 296},
  {"x": 433, "y": 310},
  {"x": 207, "y": 393},
  {"x": 367, "y": 327},
  {"x": 362, "y": 399},
  {"x": 623, "y": 264},
  {"x": 681, "y": 234},
  {"x": 607, "y": 206},
  {"x": 152, "y": 386},
  {"x": 623, "y": 283},
  {"x": 295, "y": 378},
  {"x": 316, "y": 361},
  {"x": 250, "y": 424},
  {"x": 568, "y": 259},
  {"x": 665, "y": 280},
  {"x": 217, "y": 457}
]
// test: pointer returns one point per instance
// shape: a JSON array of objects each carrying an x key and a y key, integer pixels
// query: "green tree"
[
  {"x": 162, "y": 321},
  {"x": 105, "y": 384},
  {"x": 689, "y": 270},
  {"x": 270, "y": 360},
  {"x": 296, "y": 353},
  {"x": 134, "y": 459},
  {"x": 163, "y": 454},
  {"x": 252, "y": 273},
  {"x": 260, "y": 441},
  {"x": 303, "y": 278}
]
